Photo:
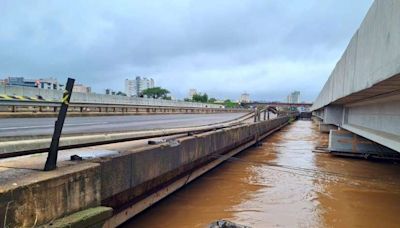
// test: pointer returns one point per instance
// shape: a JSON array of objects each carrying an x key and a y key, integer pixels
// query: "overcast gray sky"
[{"x": 222, "y": 47}]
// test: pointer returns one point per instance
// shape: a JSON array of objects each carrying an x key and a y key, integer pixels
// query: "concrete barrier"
[
  {"x": 93, "y": 98},
  {"x": 123, "y": 180}
]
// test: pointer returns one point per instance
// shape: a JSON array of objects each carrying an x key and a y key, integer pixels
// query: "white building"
[
  {"x": 41, "y": 83},
  {"x": 49, "y": 83},
  {"x": 294, "y": 97},
  {"x": 192, "y": 92},
  {"x": 135, "y": 87},
  {"x": 244, "y": 98},
  {"x": 80, "y": 88}
]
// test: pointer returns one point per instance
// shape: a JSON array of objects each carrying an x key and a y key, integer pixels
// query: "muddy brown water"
[{"x": 283, "y": 183}]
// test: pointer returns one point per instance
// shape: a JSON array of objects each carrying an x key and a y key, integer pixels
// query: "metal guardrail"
[{"x": 23, "y": 101}]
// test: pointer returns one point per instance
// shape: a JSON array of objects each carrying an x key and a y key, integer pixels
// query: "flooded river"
[{"x": 283, "y": 183}]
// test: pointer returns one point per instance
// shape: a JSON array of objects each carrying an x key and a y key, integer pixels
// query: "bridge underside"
[
  {"x": 362, "y": 94},
  {"x": 373, "y": 113}
]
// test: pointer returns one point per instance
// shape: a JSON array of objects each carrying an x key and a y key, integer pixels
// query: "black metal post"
[
  {"x": 51, "y": 162},
  {"x": 265, "y": 114}
]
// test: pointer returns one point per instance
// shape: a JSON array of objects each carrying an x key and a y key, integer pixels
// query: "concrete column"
[{"x": 325, "y": 128}]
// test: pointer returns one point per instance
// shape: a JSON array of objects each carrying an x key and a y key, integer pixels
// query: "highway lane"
[{"x": 99, "y": 124}]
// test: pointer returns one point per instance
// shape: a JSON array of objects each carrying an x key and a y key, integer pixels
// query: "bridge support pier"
[
  {"x": 346, "y": 143},
  {"x": 326, "y": 128}
]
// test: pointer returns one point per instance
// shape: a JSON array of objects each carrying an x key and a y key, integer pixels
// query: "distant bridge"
[{"x": 277, "y": 104}]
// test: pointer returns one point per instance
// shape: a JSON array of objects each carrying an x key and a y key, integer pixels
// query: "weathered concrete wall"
[
  {"x": 371, "y": 56},
  {"x": 144, "y": 170},
  {"x": 120, "y": 179},
  {"x": 383, "y": 116},
  {"x": 98, "y": 98},
  {"x": 37, "y": 199},
  {"x": 333, "y": 114}
]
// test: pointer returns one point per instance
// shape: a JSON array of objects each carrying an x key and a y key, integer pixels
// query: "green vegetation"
[
  {"x": 156, "y": 93},
  {"x": 212, "y": 100},
  {"x": 203, "y": 98},
  {"x": 230, "y": 104}
]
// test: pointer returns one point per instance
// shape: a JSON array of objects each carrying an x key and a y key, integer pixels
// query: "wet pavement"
[
  {"x": 101, "y": 124},
  {"x": 284, "y": 183}
]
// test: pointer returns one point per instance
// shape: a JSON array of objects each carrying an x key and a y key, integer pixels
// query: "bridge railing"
[{"x": 28, "y": 94}]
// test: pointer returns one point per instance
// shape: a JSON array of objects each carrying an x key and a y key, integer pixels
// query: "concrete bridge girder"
[
  {"x": 362, "y": 94},
  {"x": 377, "y": 119}
]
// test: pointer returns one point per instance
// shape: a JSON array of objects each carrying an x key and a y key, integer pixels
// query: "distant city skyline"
[
  {"x": 132, "y": 87},
  {"x": 220, "y": 48}
]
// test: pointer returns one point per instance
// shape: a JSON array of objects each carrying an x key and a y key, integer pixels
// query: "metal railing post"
[
  {"x": 255, "y": 114},
  {"x": 51, "y": 162}
]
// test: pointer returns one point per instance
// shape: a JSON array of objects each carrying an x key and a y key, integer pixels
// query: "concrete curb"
[{"x": 92, "y": 217}]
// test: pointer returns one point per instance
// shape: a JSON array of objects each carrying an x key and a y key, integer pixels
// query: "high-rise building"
[
  {"x": 244, "y": 98},
  {"x": 135, "y": 87},
  {"x": 294, "y": 97}
]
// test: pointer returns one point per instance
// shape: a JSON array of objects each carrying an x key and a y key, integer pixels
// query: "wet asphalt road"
[{"x": 100, "y": 124}]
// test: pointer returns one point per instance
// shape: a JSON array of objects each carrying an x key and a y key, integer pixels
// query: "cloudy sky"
[{"x": 222, "y": 47}]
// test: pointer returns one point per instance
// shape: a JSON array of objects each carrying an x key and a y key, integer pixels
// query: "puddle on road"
[{"x": 284, "y": 184}]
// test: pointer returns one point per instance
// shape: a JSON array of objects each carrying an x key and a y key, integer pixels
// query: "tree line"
[{"x": 161, "y": 93}]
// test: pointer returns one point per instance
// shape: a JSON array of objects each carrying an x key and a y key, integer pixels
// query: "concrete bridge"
[
  {"x": 362, "y": 94},
  {"x": 276, "y": 104}
]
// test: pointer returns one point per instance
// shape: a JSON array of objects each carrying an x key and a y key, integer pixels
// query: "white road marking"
[{"x": 46, "y": 126}]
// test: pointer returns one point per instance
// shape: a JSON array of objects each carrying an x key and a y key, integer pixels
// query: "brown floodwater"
[{"x": 283, "y": 183}]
